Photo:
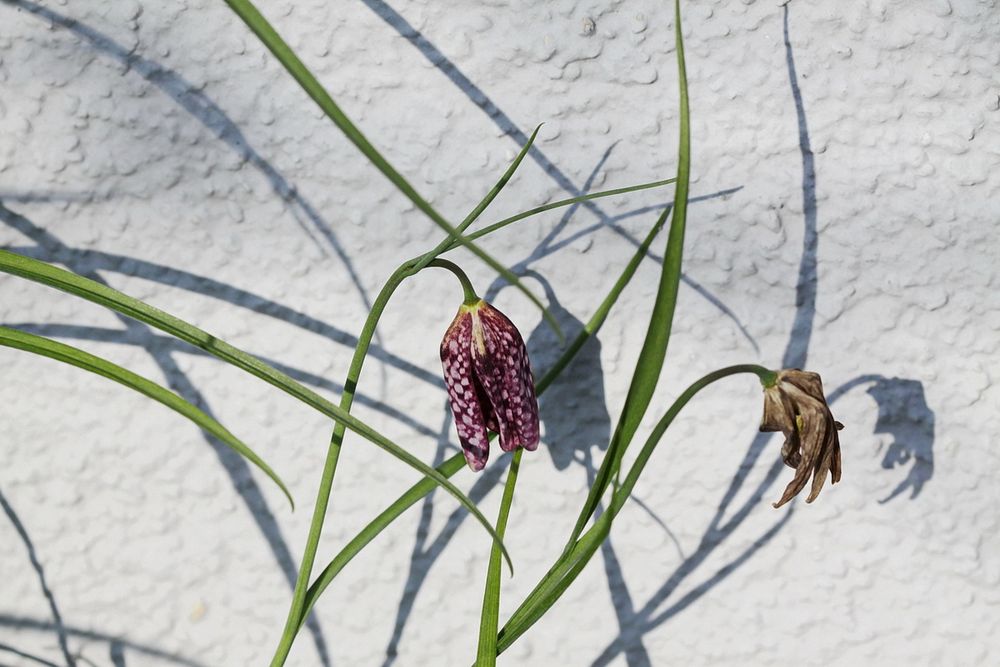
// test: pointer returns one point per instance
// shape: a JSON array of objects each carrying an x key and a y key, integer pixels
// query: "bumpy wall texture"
[{"x": 845, "y": 180}]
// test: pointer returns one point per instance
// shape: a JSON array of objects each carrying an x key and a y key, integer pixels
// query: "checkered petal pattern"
[{"x": 489, "y": 382}]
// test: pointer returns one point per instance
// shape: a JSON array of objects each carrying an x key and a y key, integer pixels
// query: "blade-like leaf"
[
  {"x": 481, "y": 206},
  {"x": 297, "y": 610},
  {"x": 67, "y": 281},
  {"x": 558, "y": 204},
  {"x": 489, "y": 620},
  {"x": 457, "y": 462},
  {"x": 409, "y": 498},
  {"x": 260, "y": 26},
  {"x": 654, "y": 347},
  {"x": 551, "y": 588},
  {"x": 68, "y": 354}
]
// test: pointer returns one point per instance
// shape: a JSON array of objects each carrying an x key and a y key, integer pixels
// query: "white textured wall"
[{"x": 841, "y": 219}]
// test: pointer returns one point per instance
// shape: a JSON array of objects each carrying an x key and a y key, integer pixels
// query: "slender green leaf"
[
  {"x": 490, "y": 619},
  {"x": 481, "y": 206},
  {"x": 654, "y": 347},
  {"x": 449, "y": 468},
  {"x": 259, "y": 25},
  {"x": 297, "y": 609},
  {"x": 559, "y": 204},
  {"x": 551, "y": 588},
  {"x": 53, "y": 276},
  {"x": 457, "y": 462},
  {"x": 76, "y": 357}
]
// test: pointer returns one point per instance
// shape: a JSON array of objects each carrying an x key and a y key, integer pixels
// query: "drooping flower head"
[
  {"x": 489, "y": 382},
  {"x": 796, "y": 406}
]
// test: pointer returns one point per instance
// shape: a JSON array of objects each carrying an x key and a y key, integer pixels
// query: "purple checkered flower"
[{"x": 488, "y": 376}]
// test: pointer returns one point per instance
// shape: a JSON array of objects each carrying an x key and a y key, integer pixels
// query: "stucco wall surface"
[{"x": 843, "y": 219}]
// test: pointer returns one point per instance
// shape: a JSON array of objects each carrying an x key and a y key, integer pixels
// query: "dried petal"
[{"x": 795, "y": 405}]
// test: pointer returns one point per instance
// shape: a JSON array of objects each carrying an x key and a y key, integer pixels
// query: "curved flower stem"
[
  {"x": 298, "y": 609},
  {"x": 295, "y": 611},
  {"x": 490, "y": 620},
  {"x": 470, "y": 294},
  {"x": 303, "y": 600},
  {"x": 569, "y": 566}
]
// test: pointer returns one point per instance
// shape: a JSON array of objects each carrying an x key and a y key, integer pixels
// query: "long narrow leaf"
[
  {"x": 297, "y": 610},
  {"x": 68, "y": 354},
  {"x": 551, "y": 589},
  {"x": 489, "y": 620},
  {"x": 558, "y": 204},
  {"x": 260, "y": 26},
  {"x": 67, "y": 281},
  {"x": 481, "y": 206},
  {"x": 457, "y": 462},
  {"x": 654, "y": 347}
]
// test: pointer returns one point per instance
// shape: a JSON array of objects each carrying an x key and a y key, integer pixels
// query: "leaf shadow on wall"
[
  {"x": 36, "y": 565},
  {"x": 117, "y": 645},
  {"x": 164, "y": 349},
  {"x": 85, "y": 261},
  {"x": 202, "y": 108},
  {"x": 53, "y": 249}
]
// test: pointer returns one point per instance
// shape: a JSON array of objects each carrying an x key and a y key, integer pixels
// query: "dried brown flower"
[{"x": 796, "y": 406}]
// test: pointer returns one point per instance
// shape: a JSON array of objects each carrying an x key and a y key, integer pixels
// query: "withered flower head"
[
  {"x": 796, "y": 406},
  {"x": 489, "y": 382}
]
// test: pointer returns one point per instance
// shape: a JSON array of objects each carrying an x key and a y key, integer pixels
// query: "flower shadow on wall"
[
  {"x": 905, "y": 416},
  {"x": 574, "y": 413}
]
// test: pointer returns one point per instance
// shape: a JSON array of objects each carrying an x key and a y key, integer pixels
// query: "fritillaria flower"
[
  {"x": 796, "y": 406},
  {"x": 488, "y": 377}
]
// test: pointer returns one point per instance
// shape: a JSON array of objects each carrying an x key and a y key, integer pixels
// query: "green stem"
[
  {"x": 569, "y": 566},
  {"x": 296, "y": 610},
  {"x": 299, "y": 608},
  {"x": 471, "y": 297},
  {"x": 490, "y": 620}
]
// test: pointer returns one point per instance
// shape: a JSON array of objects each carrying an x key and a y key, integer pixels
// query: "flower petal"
[
  {"x": 796, "y": 405},
  {"x": 484, "y": 404},
  {"x": 463, "y": 393},
  {"x": 502, "y": 368}
]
